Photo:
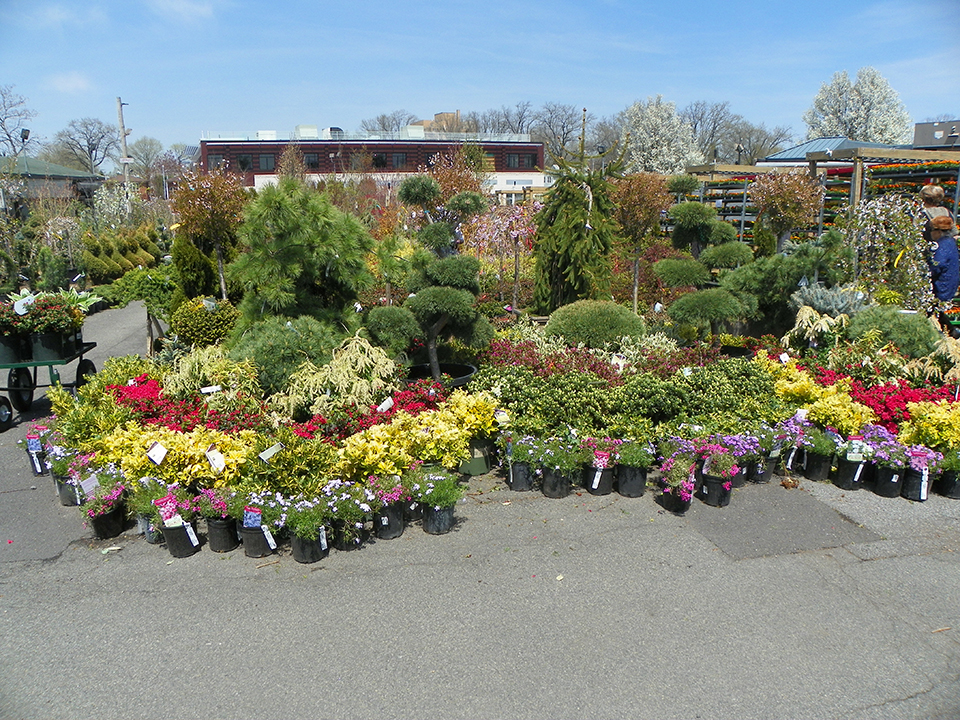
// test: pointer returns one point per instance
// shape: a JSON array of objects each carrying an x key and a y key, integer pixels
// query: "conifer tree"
[{"x": 575, "y": 233}]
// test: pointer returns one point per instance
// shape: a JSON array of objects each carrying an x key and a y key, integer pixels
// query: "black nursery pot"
[
  {"x": 222, "y": 534},
  {"x": 631, "y": 481},
  {"x": 598, "y": 481},
  {"x": 850, "y": 474},
  {"x": 948, "y": 485},
  {"x": 555, "y": 484},
  {"x": 521, "y": 477}
]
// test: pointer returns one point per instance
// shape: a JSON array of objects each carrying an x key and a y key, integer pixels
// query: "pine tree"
[{"x": 575, "y": 234}]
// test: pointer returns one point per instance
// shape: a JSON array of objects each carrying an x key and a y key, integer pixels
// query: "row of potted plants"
[{"x": 42, "y": 326}]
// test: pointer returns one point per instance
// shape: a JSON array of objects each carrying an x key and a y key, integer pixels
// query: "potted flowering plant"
[
  {"x": 52, "y": 322},
  {"x": 789, "y": 433},
  {"x": 33, "y": 442},
  {"x": 105, "y": 511},
  {"x": 560, "y": 460},
  {"x": 742, "y": 448},
  {"x": 259, "y": 515},
  {"x": 177, "y": 512},
  {"x": 923, "y": 464},
  {"x": 12, "y": 332},
  {"x": 307, "y": 519},
  {"x": 213, "y": 504},
  {"x": 438, "y": 494},
  {"x": 140, "y": 501},
  {"x": 634, "y": 458},
  {"x": 351, "y": 504},
  {"x": 678, "y": 467},
  {"x": 600, "y": 459},
  {"x": 888, "y": 457},
  {"x": 947, "y": 484},
  {"x": 392, "y": 496},
  {"x": 522, "y": 453},
  {"x": 719, "y": 466}
]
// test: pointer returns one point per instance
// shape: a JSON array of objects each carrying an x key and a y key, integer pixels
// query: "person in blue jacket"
[{"x": 943, "y": 258}]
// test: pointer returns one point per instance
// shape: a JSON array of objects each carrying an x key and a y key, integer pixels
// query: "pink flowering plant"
[
  {"x": 108, "y": 497},
  {"x": 214, "y": 502},
  {"x": 678, "y": 464},
  {"x": 922, "y": 458},
  {"x": 600, "y": 452},
  {"x": 389, "y": 491},
  {"x": 176, "y": 501}
]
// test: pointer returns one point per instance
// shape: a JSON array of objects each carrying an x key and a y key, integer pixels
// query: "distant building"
[
  {"x": 513, "y": 162},
  {"x": 30, "y": 179}
]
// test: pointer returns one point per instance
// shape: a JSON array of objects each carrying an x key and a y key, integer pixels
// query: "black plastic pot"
[
  {"x": 850, "y": 475},
  {"x": 389, "y": 521},
  {"x": 631, "y": 481},
  {"x": 598, "y": 481},
  {"x": 816, "y": 467},
  {"x": 181, "y": 540},
  {"x": 916, "y": 485},
  {"x": 521, "y": 477},
  {"x": 888, "y": 481},
  {"x": 309, "y": 551},
  {"x": 555, "y": 484},
  {"x": 438, "y": 521},
  {"x": 222, "y": 534},
  {"x": 761, "y": 471},
  {"x": 255, "y": 542},
  {"x": 948, "y": 485},
  {"x": 715, "y": 491}
]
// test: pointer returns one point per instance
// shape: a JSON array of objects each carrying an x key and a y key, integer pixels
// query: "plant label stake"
[
  {"x": 269, "y": 536},
  {"x": 156, "y": 453},
  {"x": 270, "y": 452},
  {"x": 216, "y": 459}
]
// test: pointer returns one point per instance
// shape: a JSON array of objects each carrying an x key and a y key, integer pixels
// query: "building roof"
[
  {"x": 827, "y": 144},
  {"x": 31, "y": 167}
]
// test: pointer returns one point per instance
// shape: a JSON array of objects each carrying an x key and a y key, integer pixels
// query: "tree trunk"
[
  {"x": 636, "y": 279},
  {"x": 516, "y": 278},
  {"x": 223, "y": 280},
  {"x": 782, "y": 240},
  {"x": 432, "y": 334}
]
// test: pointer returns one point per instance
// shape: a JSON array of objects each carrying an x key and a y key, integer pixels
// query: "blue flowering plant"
[
  {"x": 350, "y": 505},
  {"x": 439, "y": 490},
  {"x": 562, "y": 454},
  {"x": 306, "y": 516}
]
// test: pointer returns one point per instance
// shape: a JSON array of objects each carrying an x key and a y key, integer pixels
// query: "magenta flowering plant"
[
  {"x": 678, "y": 466},
  {"x": 718, "y": 460},
  {"x": 106, "y": 499},
  {"x": 389, "y": 492},
  {"x": 213, "y": 502},
  {"x": 601, "y": 452},
  {"x": 177, "y": 501}
]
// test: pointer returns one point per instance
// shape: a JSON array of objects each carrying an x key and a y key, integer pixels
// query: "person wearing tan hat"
[{"x": 932, "y": 198}]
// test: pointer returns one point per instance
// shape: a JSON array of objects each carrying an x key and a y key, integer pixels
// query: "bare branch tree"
[
  {"x": 14, "y": 115},
  {"x": 558, "y": 126},
  {"x": 389, "y": 122},
  {"x": 88, "y": 141}
]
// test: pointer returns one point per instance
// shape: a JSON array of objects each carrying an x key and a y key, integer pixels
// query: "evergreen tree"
[
  {"x": 299, "y": 255},
  {"x": 575, "y": 234}
]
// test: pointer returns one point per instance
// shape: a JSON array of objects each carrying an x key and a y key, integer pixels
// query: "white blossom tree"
[
  {"x": 868, "y": 110},
  {"x": 659, "y": 140}
]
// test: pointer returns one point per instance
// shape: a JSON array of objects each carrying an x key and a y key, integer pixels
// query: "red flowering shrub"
[{"x": 144, "y": 396}]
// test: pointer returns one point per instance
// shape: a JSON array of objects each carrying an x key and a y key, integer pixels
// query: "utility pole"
[{"x": 125, "y": 159}]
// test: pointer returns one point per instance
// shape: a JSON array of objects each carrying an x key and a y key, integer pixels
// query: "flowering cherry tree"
[{"x": 507, "y": 229}]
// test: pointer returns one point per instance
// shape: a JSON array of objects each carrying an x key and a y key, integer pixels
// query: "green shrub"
[
  {"x": 456, "y": 271},
  {"x": 204, "y": 321},
  {"x": 594, "y": 323},
  {"x": 722, "y": 233},
  {"x": 648, "y": 396},
  {"x": 392, "y": 328},
  {"x": 729, "y": 255},
  {"x": 710, "y": 307},
  {"x": 911, "y": 333},
  {"x": 681, "y": 272},
  {"x": 279, "y": 346}
]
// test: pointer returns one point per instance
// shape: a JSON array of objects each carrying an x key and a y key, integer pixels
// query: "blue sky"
[{"x": 191, "y": 66}]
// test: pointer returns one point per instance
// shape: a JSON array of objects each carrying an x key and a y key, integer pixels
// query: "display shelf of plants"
[
  {"x": 908, "y": 178},
  {"x": 168, "y": 445},
  {"x": 728, "y": 199}
]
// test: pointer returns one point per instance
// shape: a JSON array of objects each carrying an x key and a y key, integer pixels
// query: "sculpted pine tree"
[{"x": 868, "y": 110}]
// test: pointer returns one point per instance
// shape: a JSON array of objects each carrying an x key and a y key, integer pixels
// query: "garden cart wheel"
[
  {"x": 85, "y": 370},
  {"x": 20, "y": 388},
  {"x": 6, "y": 414}
]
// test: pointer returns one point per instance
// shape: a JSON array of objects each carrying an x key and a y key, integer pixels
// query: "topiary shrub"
[
  {"x": 710, "y": 308},
  {"x": 594, "y": 323},
  {"x": 392, "y": 328},
  {"x": 729, "y": 255},
  {"x": 722, "y": 233},
  {"x": 912, "y": 333},
  {"x": 279, "y": 346},
  {"x": 204, "y": 321},
  {"x": 681, "y": 272}
]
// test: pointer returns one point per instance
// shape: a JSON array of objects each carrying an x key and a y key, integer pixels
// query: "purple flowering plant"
[
  {"x": 921, "y": 458},
  {"x": 678, "y": 464},
  {"x": 883, "y": 447}
]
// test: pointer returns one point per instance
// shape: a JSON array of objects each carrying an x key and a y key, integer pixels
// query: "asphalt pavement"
[{"x": 789, "y": 603}]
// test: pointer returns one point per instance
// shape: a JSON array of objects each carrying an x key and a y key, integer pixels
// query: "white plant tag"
[
  {"x": 20, "y": 307},
  {"x": 784, "y": 357},
  {"x": 323, "y": 538},
  {"x": 894, "y": 477},
  {"x": 89, "y": 485},
  {"x": 175, "y": 521},
  {"x": 501, "y": 416},
  {"x": 216, "y": 459},
  {"x": 596, "y": 478},
  {"x": 157, "y": 453},
  {"x": 923, "y": 483},
  {"x": 856, "y": 475},
  {"x": 210, "y": 389},
  {"x": 269, "y": 536},
  {"x": 790, "y": 459},
  {"x": 35, "y": 461},
  {"x": 385, "y": 405},
  {"x": 270, "y": 452},
  {"x": 384, "y": 520},
  {"x": 192, "y": 535}
]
